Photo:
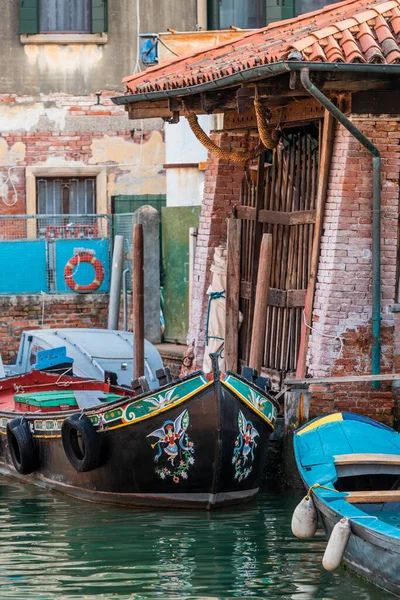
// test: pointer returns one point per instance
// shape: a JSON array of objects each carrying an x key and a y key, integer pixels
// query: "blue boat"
[{"x": 351, "y": 467}]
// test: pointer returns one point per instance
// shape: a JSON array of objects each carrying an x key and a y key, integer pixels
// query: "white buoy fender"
[
  {"x": 337, "y": 545},
  {"x": 305, "y": 519}
]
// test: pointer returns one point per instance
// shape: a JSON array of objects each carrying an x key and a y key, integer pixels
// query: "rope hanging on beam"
[
  {"x": 267, "y": 139},
  {"x": 239, "y": 157},
  {"x": 266, "y": 135}
]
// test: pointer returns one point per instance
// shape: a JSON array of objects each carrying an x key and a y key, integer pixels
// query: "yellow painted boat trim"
[
  {"x": 149, "y": 416},
  {"x": 161, "y": 410},
  {"x": 320, "y": 422},
  {"x": 246, "y": 401}
]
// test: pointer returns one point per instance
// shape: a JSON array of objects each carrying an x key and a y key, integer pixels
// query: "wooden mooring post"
[
  {"x": 138, "y": 301},
  {"x": 232, "y": 296},
  {"x": 261, "y": 303}
]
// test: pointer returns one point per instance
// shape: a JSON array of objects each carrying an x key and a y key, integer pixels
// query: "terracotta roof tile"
[{"x": 365, "y": 31}]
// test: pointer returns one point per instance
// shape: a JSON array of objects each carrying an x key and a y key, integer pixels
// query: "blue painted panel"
[
  {"x": 83, "y": 273},
  {"x": 23, "y": 267},
  {"x": 148, "y": 49}
]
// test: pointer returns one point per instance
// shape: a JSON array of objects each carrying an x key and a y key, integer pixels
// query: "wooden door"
[{"x": 280, "y": 198}]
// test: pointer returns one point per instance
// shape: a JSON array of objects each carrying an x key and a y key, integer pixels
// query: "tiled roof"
[{"x": 364, "y": 31}]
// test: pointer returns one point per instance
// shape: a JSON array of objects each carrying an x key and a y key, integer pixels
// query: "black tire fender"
[
  {"x": 82, "y": 445},
  {"x": 22, "y": 446}
]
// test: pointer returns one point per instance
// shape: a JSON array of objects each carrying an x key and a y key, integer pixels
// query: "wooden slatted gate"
[{"x": 279, "y": 198}]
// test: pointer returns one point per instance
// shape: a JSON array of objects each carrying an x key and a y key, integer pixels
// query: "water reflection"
[{"x": 55, "y": 547}]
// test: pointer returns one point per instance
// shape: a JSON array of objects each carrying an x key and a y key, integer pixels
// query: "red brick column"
[
  {"x": 343, "y": 300},
  {"x": 221, "y": 191}
]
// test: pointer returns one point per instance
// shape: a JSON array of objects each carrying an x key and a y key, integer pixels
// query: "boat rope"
[
  {"x": 213, "y": 296},
  {"x": 238, "y": 157},
  {"x": 263, "y": 115},
  {"x": 268, "y": 139},
  {"x": 20, "y": 389},
  {"x": 318, "y": 485}
]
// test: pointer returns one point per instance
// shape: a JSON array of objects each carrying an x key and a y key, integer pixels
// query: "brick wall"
[
  {"x": 62, "y": 130},
  {"x": 19, "y": 313},
  {"x": 221, "y": 192},
  {"x": 343, "y": 300}
]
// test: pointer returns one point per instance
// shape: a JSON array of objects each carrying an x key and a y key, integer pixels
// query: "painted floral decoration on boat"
[
  {"x": 174, "y": 448},
  {"x": 162, "y": 400},
  {"x": 257, "y": 400},
  {"x": 245, "y": 445}
]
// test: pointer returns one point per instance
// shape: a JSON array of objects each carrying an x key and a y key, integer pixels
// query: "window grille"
[{"x": 63, "y": 195}]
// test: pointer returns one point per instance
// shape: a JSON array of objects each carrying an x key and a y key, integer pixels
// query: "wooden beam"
[
  {"x": 323, "y": 175},
  {"x": 367, "y": 459},
  {"x": 276, "y": 217},
  {"x": 232, "y": 296},
  {"x": 375, "y": 497},
  {"x": 294, "y": 112},
  {"x": 337, "y": 380},
  {"x": 261, "y": 303},
  {"x": 138, "y": 300},
  {"x": 376, "y": 103}
]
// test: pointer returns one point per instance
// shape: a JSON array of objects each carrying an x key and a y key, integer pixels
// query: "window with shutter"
[{"x": 63, "y": 16}]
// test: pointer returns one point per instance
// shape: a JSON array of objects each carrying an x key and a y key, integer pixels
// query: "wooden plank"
[
  {"x": 245, "y": 290},
  {"x": 275, "y": 217},
  {"x": 367, "y": 459},
  {"x": 247, "y": 213},
  {"x": 302, "y": 217},
  {"x": 295, "y": 112},
  {"x": 138, "y": 300},
  {"x": 181, "y": 165},
  {"x": 347, "y": 379},
  {"x": 375, "y": 497},
  {"x": 296, "y": 298},
  {"x": 277, "y": 297},
  {"x": 376, "y": 102},
  {"x": 232, "y": 295},
  {"x": 297, "y": 217},
  {"x": 261, "y": 303},
  {"x": 323, "y": 174}
]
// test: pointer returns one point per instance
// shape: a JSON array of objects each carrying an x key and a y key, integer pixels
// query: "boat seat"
[
  {"x": 362, "y": 459},
  {"x": 374, "y": 497}
]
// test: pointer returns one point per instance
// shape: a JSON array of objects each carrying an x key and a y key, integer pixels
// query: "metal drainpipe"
[{"x": 376, "y": 216}]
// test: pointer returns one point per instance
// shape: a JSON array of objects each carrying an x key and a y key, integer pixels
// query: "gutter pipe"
[
  {"x": 376, "y": 214},
  {"x": 273, "y": 69}
]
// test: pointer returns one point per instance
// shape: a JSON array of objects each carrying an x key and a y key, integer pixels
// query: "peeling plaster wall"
[
  {"x": 84, "y": 68},
  {"x": 60, "y": 130}
]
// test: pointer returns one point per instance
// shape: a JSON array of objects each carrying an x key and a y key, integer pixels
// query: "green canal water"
[{"x": 55, "y": 547}]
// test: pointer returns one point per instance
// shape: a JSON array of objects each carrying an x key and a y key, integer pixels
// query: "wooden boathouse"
[{"x": 309, "y": 151}]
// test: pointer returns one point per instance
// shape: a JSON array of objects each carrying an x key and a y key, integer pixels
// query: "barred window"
[{"x": 66, "y": 195}]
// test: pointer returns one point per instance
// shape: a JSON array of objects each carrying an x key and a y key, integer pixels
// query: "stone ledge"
[{"x": 63, "y": 38}]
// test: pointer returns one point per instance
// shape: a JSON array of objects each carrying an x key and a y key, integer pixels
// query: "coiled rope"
[
  {"x": 239, "y": 157},
  {"x": 266, "y": 135},
  {"x": 267, "y": 139}
]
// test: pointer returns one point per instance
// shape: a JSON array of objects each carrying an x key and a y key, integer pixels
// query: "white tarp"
[{"x": 215, "y": 332}]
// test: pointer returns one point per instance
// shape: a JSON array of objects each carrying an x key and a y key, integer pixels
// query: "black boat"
[{"x": 197, "y": 442}]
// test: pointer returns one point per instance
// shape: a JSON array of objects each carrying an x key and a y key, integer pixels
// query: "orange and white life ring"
[{"x": 83, "y": 258}]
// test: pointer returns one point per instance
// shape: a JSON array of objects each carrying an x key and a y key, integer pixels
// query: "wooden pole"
[
  {"x": 138, "y": 301},
  {"x": 261, "y": 303},
  {"x": 323, "y": 175},
  {"x": 232, "y": 296}
]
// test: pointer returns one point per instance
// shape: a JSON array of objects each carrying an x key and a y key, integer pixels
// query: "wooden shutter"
[
  {"x": 99, "y": 16},
  {"x": 29, "y": 16}
]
